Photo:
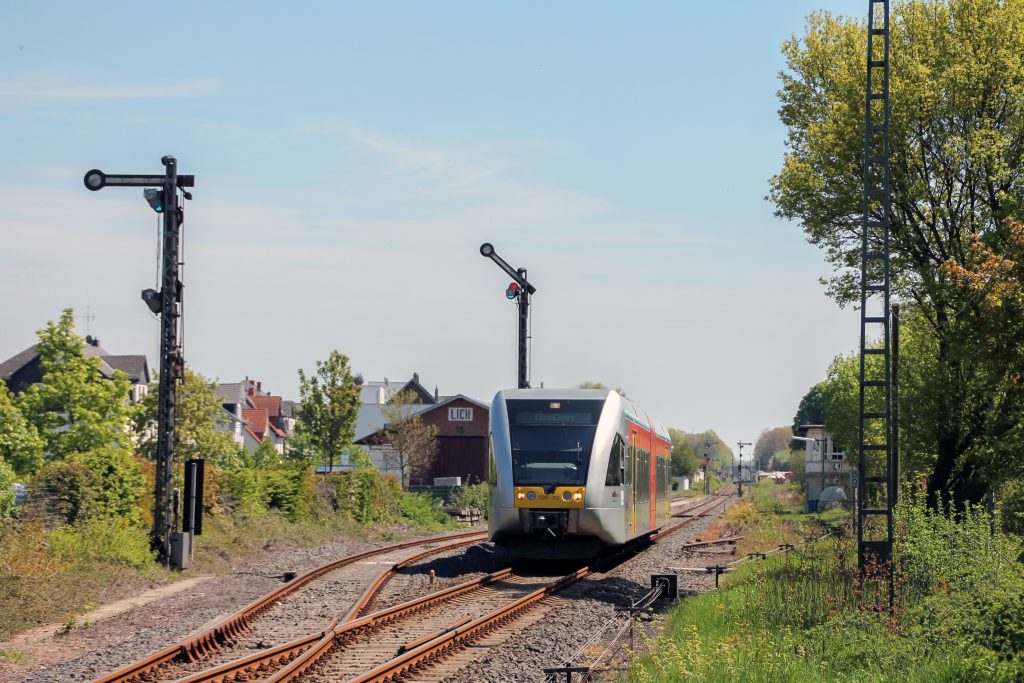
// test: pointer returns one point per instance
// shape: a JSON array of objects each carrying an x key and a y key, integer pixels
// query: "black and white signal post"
[
  {"x": 161, "y": 191},
  {"x": 520, "y": 290}
]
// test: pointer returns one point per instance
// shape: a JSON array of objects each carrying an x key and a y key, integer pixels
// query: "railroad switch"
[
  {"x": 670, "y": 586},
  {"x": 553, "y": 671}
]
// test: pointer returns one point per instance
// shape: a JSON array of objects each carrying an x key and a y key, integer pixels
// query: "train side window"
[{"x": 616, "y": 468}]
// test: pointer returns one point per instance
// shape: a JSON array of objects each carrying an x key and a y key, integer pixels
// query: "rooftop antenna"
[{"x": 88, "y": 317}]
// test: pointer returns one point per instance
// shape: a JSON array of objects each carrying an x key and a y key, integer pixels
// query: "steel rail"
[
  {"x": 346, "y": 630},
  {"x": 284, "y": 654},
  {"x": 457, "y": 636},
  {"x": 246, "y": 665},
  {"x": 228, "y": 630},
  {"x": 429, "y": 650},
  {"x": 435, "y": 649},
  {"x": 360, "y": 606},
  {"x": 705, "y": 506}
]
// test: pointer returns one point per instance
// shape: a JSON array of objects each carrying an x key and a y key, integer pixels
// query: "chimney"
[
  {"x": 437, "y": 397},
  {"x": 415, "y": 377}
]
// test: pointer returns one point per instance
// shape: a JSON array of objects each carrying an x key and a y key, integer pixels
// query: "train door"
[{"x": 633, "y": 481}]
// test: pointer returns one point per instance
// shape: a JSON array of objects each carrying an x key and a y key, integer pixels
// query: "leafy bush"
[
  {"x": 102, "y": 539},
  {"x": 62, "y": 490},
  {"x": 117, "y": 483},
  {"x": 367, "y": 496},
  {"x": 241, "y": 491},
  {"x": 6, "y": 489},
  {"x": 289, "y": 488},
  {"x": 471, "y": 496},
  {"x": 422, "y": 509},
  {"x": 1011, "y": 506},
  {"x": 742, "y": 515}
]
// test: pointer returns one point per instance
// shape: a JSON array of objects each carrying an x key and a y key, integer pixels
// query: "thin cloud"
[{"x": 35, "y": 91}]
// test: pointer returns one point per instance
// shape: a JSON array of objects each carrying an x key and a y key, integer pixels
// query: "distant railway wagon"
[{"x": 573, "y": 471}]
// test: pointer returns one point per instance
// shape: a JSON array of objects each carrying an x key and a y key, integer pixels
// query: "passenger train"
[{"x": 573, "y": 471}]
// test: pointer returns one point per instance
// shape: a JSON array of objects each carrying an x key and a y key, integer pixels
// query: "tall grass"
[{"x": 809, "y": 616}]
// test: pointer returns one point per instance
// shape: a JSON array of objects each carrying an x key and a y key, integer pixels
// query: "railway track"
[
  {"x": 310, "y": 638},
  {"x": 427, "y": 639},
  {"x": 311, "y": 601}
]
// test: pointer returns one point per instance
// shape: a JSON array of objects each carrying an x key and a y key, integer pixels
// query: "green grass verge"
[{"x": 805, "y": 616}]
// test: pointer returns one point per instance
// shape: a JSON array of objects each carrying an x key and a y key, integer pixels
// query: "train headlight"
[
  {"x": 577, "y": 496},
  {"x": 566, "y": 496},
  {"x": 531, "y": 495},
  {"x": 520, "y": 495}
]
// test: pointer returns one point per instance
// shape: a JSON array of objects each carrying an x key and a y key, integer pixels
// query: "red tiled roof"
[
  {"x": 253, "y": 435},
  {"x": 272, "y": 404},
  {"x": 273, "y": 428},
  {"x": 257, "y": 418}
]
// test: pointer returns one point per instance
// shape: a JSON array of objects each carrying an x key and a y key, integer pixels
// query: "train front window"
[{"x": 552, "y": 440}]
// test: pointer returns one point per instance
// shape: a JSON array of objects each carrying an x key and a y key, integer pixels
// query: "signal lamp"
[
  {"x": 566, "y": 496},
  {"x": 520, "y": 495},
  {"x": 153, "y": 300},
  {"x": 513, "y": 291},
  {"x": 578, "y": 496},
  {"x": 155, "y": 197}
]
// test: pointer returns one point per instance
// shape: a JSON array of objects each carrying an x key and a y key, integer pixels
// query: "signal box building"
[
  {"x": 825, "y": 466},
  {"x": 461, "y": 424}
]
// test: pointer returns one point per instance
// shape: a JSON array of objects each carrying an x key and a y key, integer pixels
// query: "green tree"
[
  {"x": 410, "y": 445},
  {"x": 330, "y": 407},
  {"x": 718, "y": 452},
  {"x": 20, "y": 443},
  {"x": 201, "y": 425},
  {"x": 956, "y": 142},
  {"x": 770, "y": 442},
  {"x": 75, "y": 409},
  {"x": 921, "y": 398},
  {"x": 811, "y": 411},
  {"x": 684, "y": 462}
]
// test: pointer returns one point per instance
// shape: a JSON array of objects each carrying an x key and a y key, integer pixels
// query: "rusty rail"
[
  {"x": 227, "y": 631},
  {"x": 350, "y": 628},
  {"x": 430, "y": 648},
  {"x": 436, "y": 648}
]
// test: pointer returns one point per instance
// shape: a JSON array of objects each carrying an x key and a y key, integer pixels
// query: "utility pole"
[
  {"x": 520, "y": 291},
  {"x": 161, "y": 192},
  {"x": 707, "y": 460},
  {"x": 741, "y": 444}
]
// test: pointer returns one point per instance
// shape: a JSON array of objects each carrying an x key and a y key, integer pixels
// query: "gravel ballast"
[{"x": 87, "y": 652}]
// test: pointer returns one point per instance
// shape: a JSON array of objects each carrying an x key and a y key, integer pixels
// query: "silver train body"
[{"x": 573, "y": 471}]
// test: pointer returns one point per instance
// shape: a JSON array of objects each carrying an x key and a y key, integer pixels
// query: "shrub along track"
[
  {"x": 292, "y": 610},
  {"x": 427, "y": 638}
]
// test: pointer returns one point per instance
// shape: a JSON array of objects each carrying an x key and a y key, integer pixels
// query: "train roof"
[{"x": 551, "y": 394}]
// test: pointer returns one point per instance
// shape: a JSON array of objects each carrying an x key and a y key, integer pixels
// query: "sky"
[{"x": 350, "y": 158}]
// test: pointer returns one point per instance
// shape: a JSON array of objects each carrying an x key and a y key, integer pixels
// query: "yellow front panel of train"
[{"x": 562, "y": 497}]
